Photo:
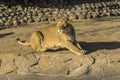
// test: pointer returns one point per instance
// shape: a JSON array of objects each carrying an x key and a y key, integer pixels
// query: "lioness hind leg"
[
  {"x": 36, "y": 41},
  {"x": 73, "y": 48}
]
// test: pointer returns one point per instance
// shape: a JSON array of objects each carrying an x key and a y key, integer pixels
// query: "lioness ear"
[
  {"x": 59, "y": 20},
  {"x": 70, "y": 19}
]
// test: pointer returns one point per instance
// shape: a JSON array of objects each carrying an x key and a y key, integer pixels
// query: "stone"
[
  {"x": 3, "y": 77},
  {"x": 7, "y": 68},
  {"x": 12, "y": 14},
  {"x": 7, "y": 63},
  {"x": 35, "y": 14},
  {"x": 42, "y": 66},
  {"x": 40, "y": 14},
  {"x": 44, "y": 18},
  {"x": 25, "y": 18},
  {"x": 1, "y": 23},
  {"x": 23, "y": 63},
  {"x": 44, "y": 63},
  {"x": 80, "y": 71},
  {"x": 16, "y": 22},
  {"x": 19, "y": 8},
  {"x": 30, "y": 20},
  {"x": 114, "y": 62},
  {"x": 37, "y": 19},
  {"x": 10, "y": 10},
  {"x": 8, "y": 23},
  {"x": 23, "y": 21},
  {"x": 4, "y": 19},
  {"x": 1, "y": 15},
  {"x": 29, "y": 13}
]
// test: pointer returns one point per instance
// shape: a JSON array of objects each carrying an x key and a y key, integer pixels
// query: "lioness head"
[{"x": 64, "y": 26}]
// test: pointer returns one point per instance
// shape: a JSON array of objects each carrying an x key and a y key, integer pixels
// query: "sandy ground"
[{"x": 101, "y": 40}]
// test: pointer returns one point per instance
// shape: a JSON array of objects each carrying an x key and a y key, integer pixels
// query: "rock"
[
  {"x": 10, "y": 10},
  {"x": 47, "y": 13},
  {"x": 89, "y": 16},
  {"x": 98, "y": 70},
  {"x": 30, "y": 20},
  {"x": 83, "y": 70},
  {"x": 12, "y": 14},
  {"x": 42, "y": 66},
  {"x": 117, "y": 11},
  {"x": 37, "y": 8},
  {"x": 9, "y": 18},
  {"x": 35, "y": 13},
  {"x": 37, "y": 19},
  {"x": 1, "y": 23},
  {"x": 44, "y": 63},
  {"x": 52, "y": 19},
  {"x": 8, "y": 23},
  {"x": 29, "y": 17},
  {"x": 44, "y": 18},
  {"x": 81, "y": 66},
  {"x": 29, "y": 13},
  {"x": 15, "y": 18},
  {"x": 23, "y": 63},
  {"x": 23, "y": 21},
  {"x": 19, "y": 8},
  {"x": 25, "y": 18},
  {"x": 5, "y": 7},
  {"x": 4, "y": 19},
  {"x": 3, "y": 77},
  {"x": 16, "y": 22},
  {"x": 82, "y": 16},
  {"x": 5, "y": 14},
  {"x": 114, "y": 61},
  {"x": 7, "y": 63},
  {"x": 74, "y": 17},
  {"x": 18, "y": 13},
  {"x": 23, "y": 15},
  {"x": 40, "y": 14},
  {"x": 7, "y": 68},
  {"x": 1, "y": 15}
]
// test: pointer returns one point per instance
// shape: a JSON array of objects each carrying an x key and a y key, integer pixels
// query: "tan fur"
[{"x": 59, "y": 35}]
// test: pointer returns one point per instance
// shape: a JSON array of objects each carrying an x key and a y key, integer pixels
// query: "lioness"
[{"x": 56, "y": 36}]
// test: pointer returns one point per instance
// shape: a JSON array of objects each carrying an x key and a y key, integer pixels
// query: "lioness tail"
[{"x": 23, "y": 43}]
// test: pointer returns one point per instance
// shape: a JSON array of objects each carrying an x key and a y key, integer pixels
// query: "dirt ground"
[{"x": 101, "y": 40}]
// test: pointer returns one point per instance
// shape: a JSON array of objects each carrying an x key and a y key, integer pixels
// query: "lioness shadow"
[
  {"x": 94, "y": 46},
  {"x": 6, "y": 34}
]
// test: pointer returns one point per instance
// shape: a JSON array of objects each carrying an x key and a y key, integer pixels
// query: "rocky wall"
[{"x": 17, "y": 15}]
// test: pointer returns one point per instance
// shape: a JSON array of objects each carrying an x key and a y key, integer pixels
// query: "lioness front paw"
[{"x": 82, "y": 52}]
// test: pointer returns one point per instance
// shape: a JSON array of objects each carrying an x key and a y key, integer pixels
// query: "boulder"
[
  {"x": 7, "y": 63},
  {"x": 23, "y": 63}
]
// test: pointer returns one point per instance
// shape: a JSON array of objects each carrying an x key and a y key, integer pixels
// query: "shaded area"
[
  {"x": 49, "y": 3},
  {"x": 1, "y": 28},
  {"x": 6, "y": 34},
  {"x": 94, "y": 46},
  {"x": 56, "y": 50}
]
